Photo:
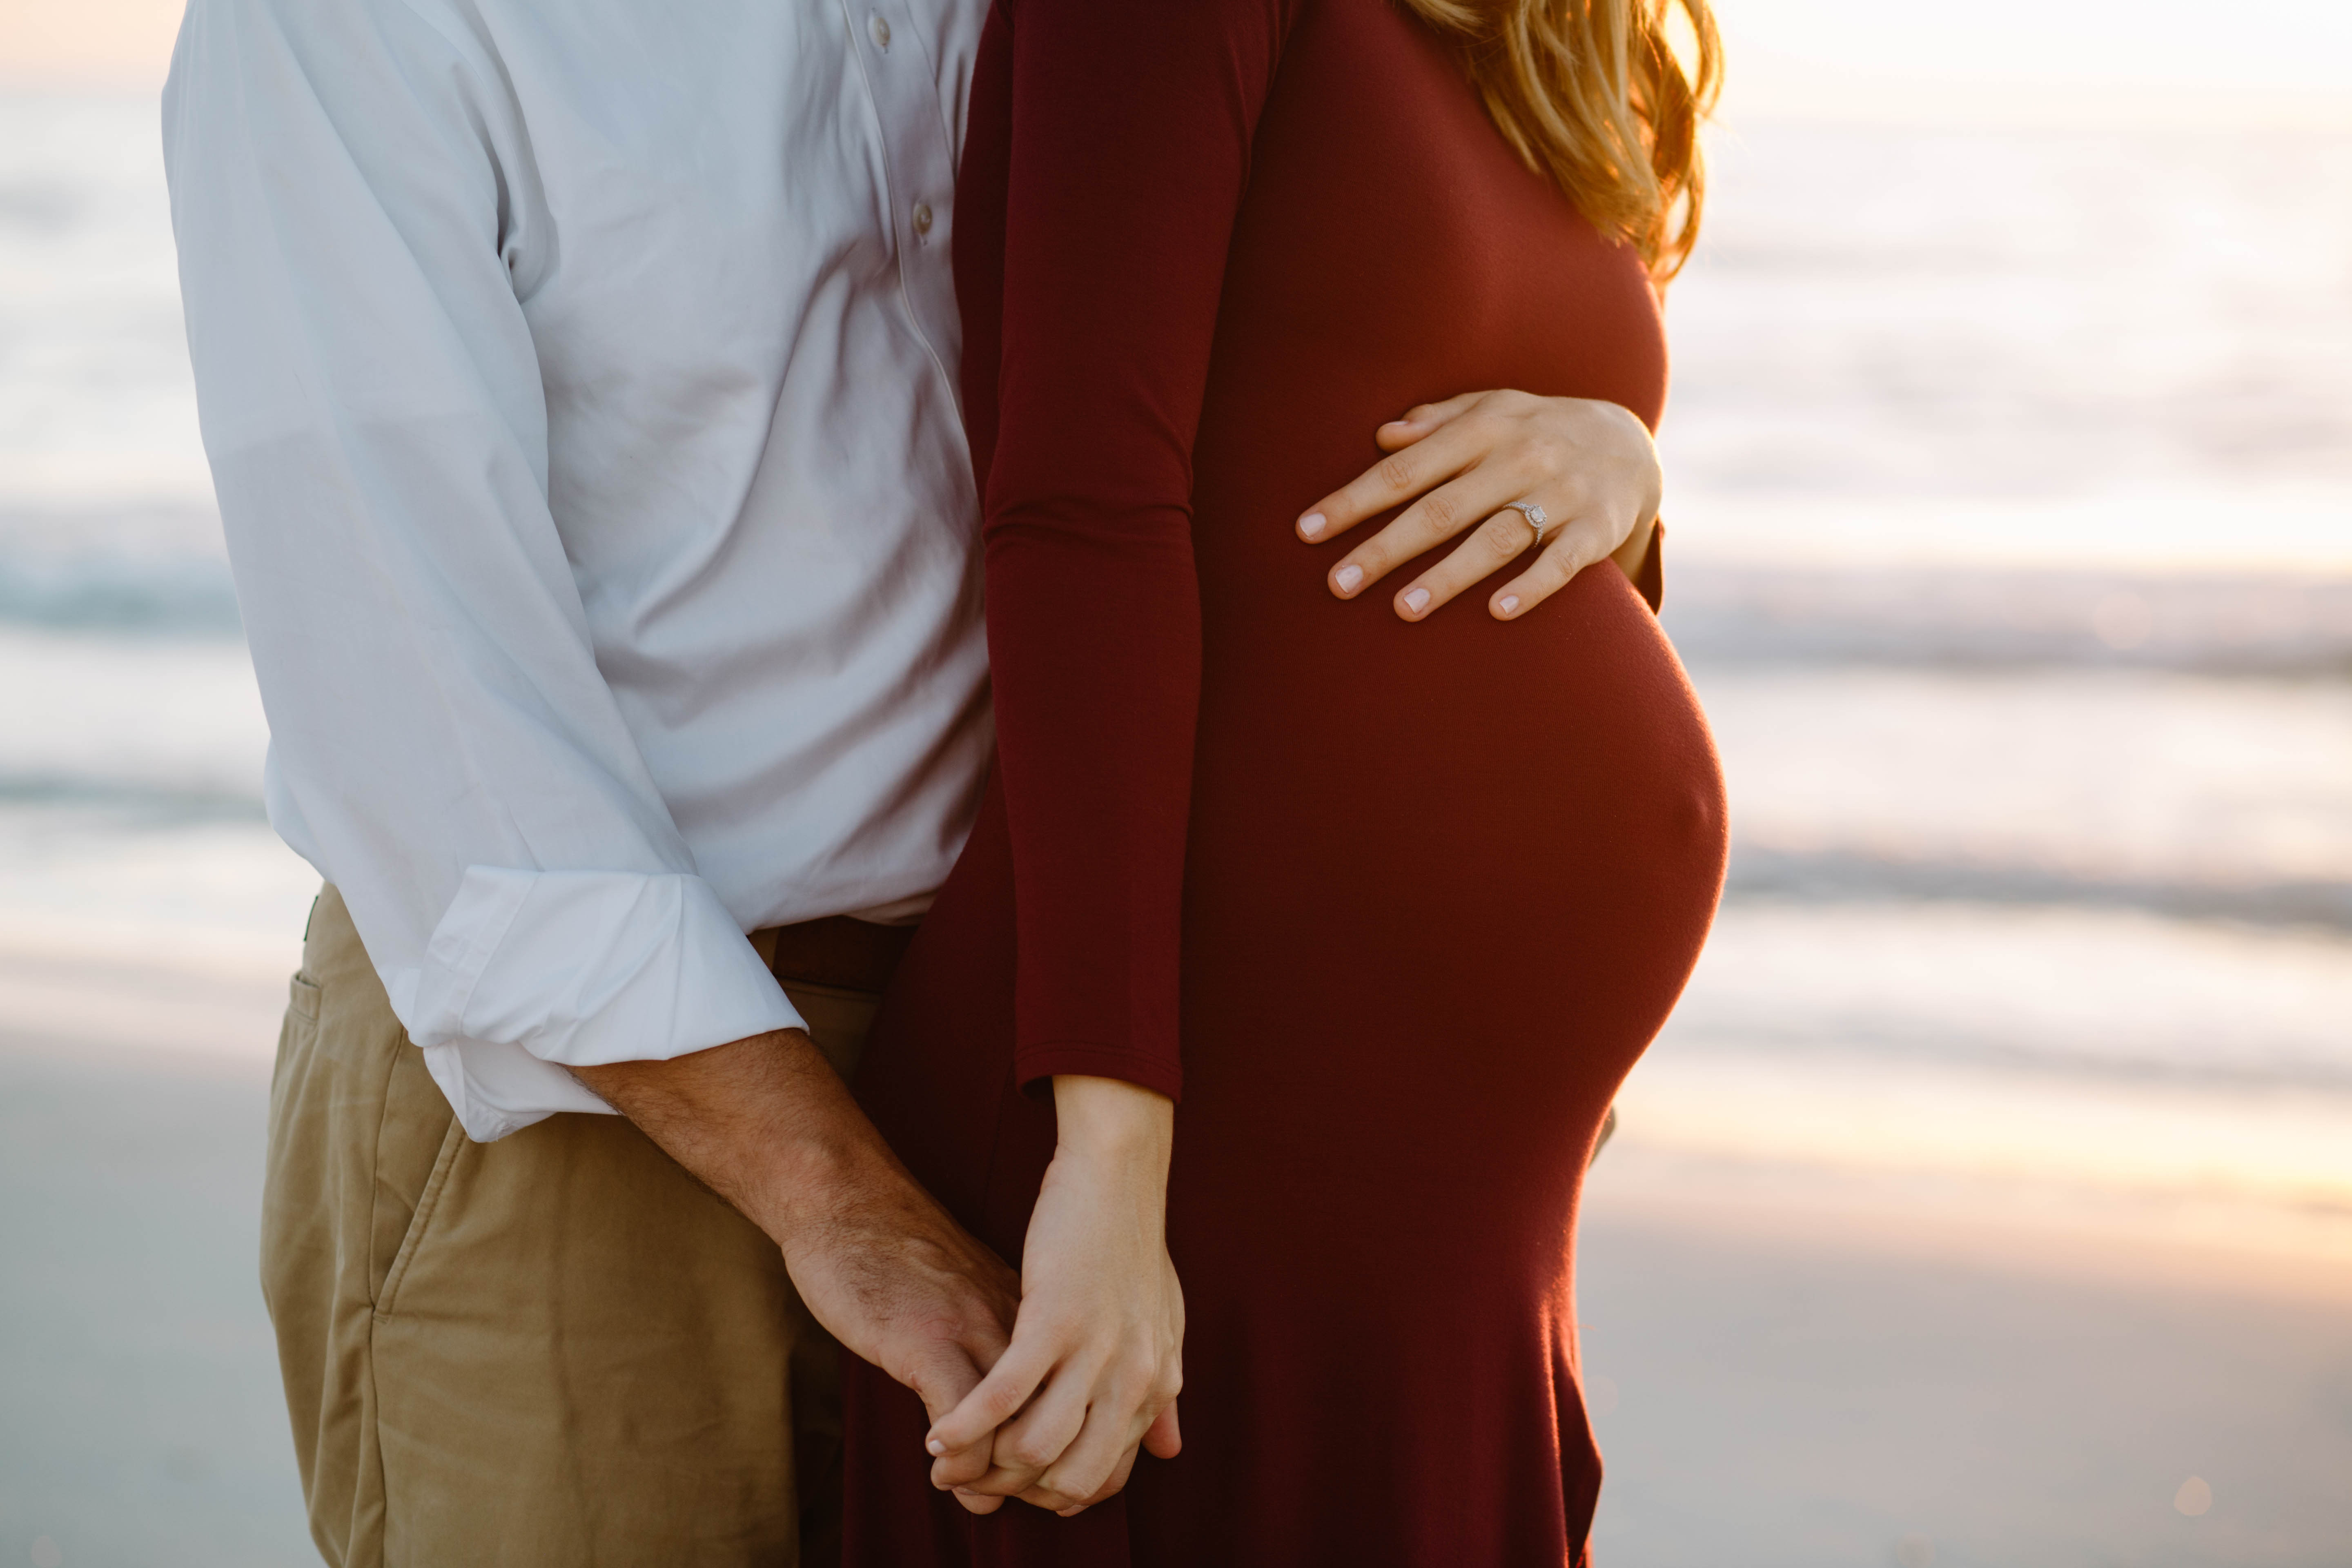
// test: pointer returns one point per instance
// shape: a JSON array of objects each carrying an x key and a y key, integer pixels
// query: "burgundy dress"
[{"x": 1434, "y": 887}]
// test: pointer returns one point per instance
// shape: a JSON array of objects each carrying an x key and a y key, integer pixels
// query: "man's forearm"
[
  {"x": 764, "y": 1122},
  {"x": 767, "y": 1124}
]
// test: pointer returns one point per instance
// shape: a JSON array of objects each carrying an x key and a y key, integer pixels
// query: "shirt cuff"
[
  {"x": 581, "y": 968},
  {"x": 498, "y": 1089}
]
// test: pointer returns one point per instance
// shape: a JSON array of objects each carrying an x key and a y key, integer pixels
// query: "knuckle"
[
  {"x": 1557, "y": 567},
  {"x": 1026, "y": 1453},
  {"x": 1487, "y": 427},
  {"x": 1505, "y": 536},
  {"x": 1440, "y": 512},
  {"x": 1394, "y": 472}
]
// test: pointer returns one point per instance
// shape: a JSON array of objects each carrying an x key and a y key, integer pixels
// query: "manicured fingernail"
[
  {"x": 1417, "y": 601},
  {"x": 1312, "y": 525},
  {"x": 1350, "y": 578},
  {"x": 937, "y": 1447},
  {"x": 1510, "y": 603}
]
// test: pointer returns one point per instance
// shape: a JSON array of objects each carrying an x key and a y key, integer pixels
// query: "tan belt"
[{"x": 838, "y": 950}]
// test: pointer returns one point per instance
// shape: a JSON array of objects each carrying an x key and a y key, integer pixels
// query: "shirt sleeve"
[
  {"x": 1129, "y": 129},
  {"x": 356, "y": 216}
]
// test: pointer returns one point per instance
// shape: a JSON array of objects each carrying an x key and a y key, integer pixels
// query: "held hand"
[
  {"x": 1590, "y": 465},
  {"x": 768, "y": 1125},
  {"x": 901, "y": 1284},
  {"x": 1096, "y": 1354}
]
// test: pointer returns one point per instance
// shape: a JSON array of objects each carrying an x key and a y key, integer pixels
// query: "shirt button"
[
  {"x": 880, "y": 30},
  {"x": 922, "y": 219}
]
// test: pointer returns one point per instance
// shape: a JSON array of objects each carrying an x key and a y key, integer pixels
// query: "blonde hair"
[{"x": 1592, "y": 94}]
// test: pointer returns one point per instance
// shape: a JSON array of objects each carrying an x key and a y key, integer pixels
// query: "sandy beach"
[
  {"x": 144, "y": 1423},
  {"x": 1791, "y": 1365},
  {"x": 1823, "y": 1379}
]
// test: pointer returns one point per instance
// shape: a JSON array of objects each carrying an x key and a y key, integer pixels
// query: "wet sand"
[
  {"x": 1803, "y": 1370},
  {"x": 1787, "y": 1369},
  {"x": 143, "y": 1427}
]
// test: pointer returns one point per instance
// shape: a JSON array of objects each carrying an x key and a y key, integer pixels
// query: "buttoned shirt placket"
[{"x": 919, "y": 155}]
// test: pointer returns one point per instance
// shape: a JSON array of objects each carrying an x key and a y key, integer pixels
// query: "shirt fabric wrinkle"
[{"x": 581, "y": 412}]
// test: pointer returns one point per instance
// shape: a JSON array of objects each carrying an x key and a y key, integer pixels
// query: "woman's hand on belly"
[
  {"x": 1096, "y": 1352},
  {"x": 1589, "y": 466}
]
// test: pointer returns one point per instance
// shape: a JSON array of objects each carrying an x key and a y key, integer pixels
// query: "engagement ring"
[{"x": 1532, "y": 512}]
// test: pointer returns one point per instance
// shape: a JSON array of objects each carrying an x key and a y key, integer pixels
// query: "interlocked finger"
[
  {"x": 1112, "y": 1487},
  {"x": 1085, "y": 1467}
]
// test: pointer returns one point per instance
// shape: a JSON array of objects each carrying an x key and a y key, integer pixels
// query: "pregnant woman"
[{"x": 1393, "y": 957}]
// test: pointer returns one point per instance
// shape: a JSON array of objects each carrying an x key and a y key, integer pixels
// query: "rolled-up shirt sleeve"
[{"x": 358, "y": 226}]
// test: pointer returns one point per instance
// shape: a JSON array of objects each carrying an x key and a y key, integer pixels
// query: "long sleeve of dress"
[{"x": 1123, "y": 151}]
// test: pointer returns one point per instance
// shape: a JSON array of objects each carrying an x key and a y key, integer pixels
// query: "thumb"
[
  {"x": 991, "y": 1401},
  {"x": 1421, "y": 419},
  {"x": 941, "y": 1374}
]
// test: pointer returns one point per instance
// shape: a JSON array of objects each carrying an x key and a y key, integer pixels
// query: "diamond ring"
[{"x": 1532, "y": 512}]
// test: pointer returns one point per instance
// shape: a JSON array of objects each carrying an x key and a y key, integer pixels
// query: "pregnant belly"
[{"x": 1459, "y": 836}]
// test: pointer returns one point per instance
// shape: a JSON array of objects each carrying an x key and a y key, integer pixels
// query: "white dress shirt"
[{"x": 579, "y": 386}]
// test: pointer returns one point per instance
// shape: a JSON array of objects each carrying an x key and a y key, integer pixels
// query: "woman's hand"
[
  {"x": 1590, "y": 465},
  {"x": 1096, "y": 1358}
]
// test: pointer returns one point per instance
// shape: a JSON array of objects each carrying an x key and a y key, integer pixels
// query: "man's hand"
[
  {"x": 1096, "y": 1355},
  {"x": 1590, "y": 465},
  {"x": 767, "y": 1124}
]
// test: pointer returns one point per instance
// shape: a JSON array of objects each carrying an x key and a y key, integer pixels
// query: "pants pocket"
[{"x": 420, "y": 1221}]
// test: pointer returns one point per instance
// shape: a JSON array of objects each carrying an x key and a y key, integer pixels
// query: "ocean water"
[
  {"x": 2121, "y": 345},
  {"x": 2011, "y": 506}
]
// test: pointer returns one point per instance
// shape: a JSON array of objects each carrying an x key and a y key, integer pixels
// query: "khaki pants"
[{"x": 555, "y": 1349}]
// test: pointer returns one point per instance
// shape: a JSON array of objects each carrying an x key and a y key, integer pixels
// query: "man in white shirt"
[{"x": 580, "y": 388}]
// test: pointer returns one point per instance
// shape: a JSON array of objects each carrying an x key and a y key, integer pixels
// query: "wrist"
[
  {"x": 1110, "y": 1119},
  {"x": 831, "y": 1164}
]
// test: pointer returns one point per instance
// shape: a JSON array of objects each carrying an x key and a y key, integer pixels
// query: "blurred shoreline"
[
  {"x": 1993, "y": 1178},
  {"x": 2010, "y": 474}
]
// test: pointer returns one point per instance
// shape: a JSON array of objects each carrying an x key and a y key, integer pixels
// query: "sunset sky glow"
[{"x": 1787, "y": 53}]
